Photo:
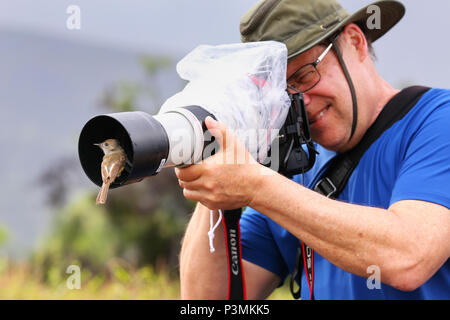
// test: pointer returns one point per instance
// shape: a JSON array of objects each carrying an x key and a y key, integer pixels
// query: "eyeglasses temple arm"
[{"x": 323, "y": 54}]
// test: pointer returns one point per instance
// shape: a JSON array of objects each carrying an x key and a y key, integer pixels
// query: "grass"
[{"x": 21, "y": 282}]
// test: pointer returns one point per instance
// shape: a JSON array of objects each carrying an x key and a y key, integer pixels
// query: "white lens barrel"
[{"x": 185, "y": 134}]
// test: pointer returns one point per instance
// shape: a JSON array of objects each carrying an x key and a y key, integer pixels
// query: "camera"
[
  {"x": 179, "y": 137},
  {"x": 241, "y": 85}
]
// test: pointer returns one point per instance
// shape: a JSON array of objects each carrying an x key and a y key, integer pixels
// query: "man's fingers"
[
  {"x": 218, "y": 130},
  {"x": 199, "y": 184},
  {"x": 190, "y": 173},
  {"x": 187, "y": 185},
  {"x": 234, "y": 151},
  {"x": 192, "y": 194}
]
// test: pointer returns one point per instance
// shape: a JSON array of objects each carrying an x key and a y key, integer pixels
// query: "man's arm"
[
  {"x": 408, "y": 242},
  {"x": 204, "y": 275}
]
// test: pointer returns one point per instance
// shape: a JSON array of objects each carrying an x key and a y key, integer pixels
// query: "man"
[{"x": 391, "y": 220}]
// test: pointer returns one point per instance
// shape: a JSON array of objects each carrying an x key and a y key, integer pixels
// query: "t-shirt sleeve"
[
  {"x": 258, "y": 245},
  {"x": 425, "y": 168}
]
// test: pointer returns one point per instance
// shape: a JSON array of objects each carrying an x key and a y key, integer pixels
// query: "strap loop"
[
  {"x": 212, "y": 228},
  {"x": 326, "y": 187}
]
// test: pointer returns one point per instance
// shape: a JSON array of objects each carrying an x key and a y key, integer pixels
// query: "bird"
[{"x": 113, "y": 163}]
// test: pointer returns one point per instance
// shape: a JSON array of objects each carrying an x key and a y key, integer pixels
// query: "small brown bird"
[{"x": 112, "y": 165}]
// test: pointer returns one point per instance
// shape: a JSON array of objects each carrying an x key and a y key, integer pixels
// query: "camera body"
[{"x": 296, "y": 152}]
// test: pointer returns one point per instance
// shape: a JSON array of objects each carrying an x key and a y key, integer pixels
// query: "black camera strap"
[{"x": 334, "y": 180}]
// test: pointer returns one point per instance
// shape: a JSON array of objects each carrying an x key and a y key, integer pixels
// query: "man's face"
[{"x": 329, "y": 103}]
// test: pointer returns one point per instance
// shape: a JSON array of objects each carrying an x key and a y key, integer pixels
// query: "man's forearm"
[
  {"x": 350, "y": 236},
  {"x": 203, "y": 274}
]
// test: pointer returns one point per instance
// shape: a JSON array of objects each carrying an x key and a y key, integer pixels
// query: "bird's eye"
[{"x": 106, "y": 144}]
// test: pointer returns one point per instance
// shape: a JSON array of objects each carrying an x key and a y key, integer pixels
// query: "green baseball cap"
[{"x": 302, "y": 24}]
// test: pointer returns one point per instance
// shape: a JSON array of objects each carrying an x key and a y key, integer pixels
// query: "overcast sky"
[{"x": 415, "y": 50}]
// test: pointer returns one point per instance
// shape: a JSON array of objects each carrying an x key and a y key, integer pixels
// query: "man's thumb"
[{"x": 217, "y": 130}]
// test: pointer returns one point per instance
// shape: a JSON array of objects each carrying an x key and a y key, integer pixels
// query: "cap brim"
[{"x": 390, "y": 12}]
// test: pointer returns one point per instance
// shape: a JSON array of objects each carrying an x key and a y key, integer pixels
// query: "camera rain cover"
[{"x": 243, "y": 85}]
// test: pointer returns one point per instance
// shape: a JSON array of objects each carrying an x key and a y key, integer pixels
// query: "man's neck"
[
  {"x": 385, "y": 92},
  {"x": 378, "y": 98}
]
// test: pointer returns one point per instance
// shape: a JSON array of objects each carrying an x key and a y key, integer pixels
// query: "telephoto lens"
[
  {"x": 174, "y": 138},
  {"x": 241, "y": 85}
]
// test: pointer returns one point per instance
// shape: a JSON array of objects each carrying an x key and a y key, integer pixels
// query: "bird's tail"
[{"x": 102, "y": 194}]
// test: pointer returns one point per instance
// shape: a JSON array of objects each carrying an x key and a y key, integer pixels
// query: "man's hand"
[{"x": 226, "y": 180}]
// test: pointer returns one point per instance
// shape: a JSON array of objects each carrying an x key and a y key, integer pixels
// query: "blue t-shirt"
[{"x": 409, "y": 161}]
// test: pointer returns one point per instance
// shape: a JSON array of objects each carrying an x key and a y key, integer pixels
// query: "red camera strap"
[{"x": 308, "y": 262}]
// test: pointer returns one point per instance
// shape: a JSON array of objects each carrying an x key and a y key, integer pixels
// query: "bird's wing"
[
  {"x": 123, "y": 160},
  {"x": 105, "y": 173},
  {"x": 116, "y": 169}
]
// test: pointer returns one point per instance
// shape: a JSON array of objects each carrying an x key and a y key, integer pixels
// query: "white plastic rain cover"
[{"x": 243, "y": 85}]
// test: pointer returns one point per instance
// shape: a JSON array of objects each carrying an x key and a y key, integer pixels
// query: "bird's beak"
[{"x": 97, "y": 144}]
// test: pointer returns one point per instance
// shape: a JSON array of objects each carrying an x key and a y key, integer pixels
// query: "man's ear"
[{"x": 356, "y": 39}]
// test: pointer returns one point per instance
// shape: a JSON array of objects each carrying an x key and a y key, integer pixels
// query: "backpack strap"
[{"x": 335, "y": 178}]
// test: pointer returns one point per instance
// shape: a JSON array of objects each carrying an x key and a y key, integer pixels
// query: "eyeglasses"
[{"x": 307, "y": 76}]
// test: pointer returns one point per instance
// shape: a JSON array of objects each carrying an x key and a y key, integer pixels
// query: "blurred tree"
[
  {"x": 121, "y": 97},
  {"x": 141, "y": 223},
  {"x": 58, "y": 180},
  {"x": 124, "y": 95}
]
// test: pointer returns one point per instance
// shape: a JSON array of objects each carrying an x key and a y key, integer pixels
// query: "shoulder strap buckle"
[{"x": 326, "y": 187}]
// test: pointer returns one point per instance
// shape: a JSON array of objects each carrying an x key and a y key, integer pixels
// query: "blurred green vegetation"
[
  {"x": 21, "y": 281},
  {"x": 136, "y": 235},
  {"x": 137, "y": 227},
  {"x": 3, "y": 236}
]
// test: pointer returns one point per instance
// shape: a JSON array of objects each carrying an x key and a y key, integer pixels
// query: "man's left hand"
[{"x": 226, "y": 180}]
